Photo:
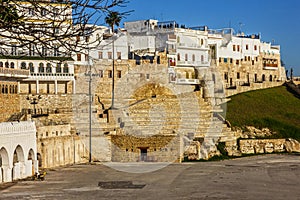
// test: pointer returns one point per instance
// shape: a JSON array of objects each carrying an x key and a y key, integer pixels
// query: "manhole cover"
[{"x": 120, "y": 185}]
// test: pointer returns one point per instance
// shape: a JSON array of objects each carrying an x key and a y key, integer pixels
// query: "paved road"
[{"x": 259, "y": 177}]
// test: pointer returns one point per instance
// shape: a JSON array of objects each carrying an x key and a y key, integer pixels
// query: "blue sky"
[{"x": 276, "y": 20}]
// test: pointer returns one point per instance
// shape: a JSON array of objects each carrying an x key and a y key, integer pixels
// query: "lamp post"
[{"x": 33, "y": 101}]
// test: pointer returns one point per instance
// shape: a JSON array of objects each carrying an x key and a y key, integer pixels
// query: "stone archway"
[
  {"x": 5, "y": 172},
  {"x": 30, "y": 163},
  {"x": 18, "y": 163}
]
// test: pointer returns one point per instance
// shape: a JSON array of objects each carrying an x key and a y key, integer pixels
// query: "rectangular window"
[
  {"x": 237, "y": 62},
  {"x": 255, "y": 47},
  {"x": 118, "y": 55},
  {"x": 220, "y": 60},
  {"x": 109, "y": 55},
  {"x": 233, "y": 48},
  {"x": 238, "y": 75},
  {"x": 225, "y": 75},
  {"x": 101, "y": 73},
  {"x": 238, "y": 47},
  {"x": 109, "y": 74},
  {"x": 225, "y": 60},
  {"x": 100, "y": 55},
  {"x": 231, "y": 60},
  {"x": 119, "y": 74},
  {"x": 252, "y": 62},
  {"x": 247, "y": 47},
  {"x": 186, "y": 57},
  {"x": 78, "y": 57},
  {"x": 87, "y": 39},
  {"x": 86, "y": 56}
]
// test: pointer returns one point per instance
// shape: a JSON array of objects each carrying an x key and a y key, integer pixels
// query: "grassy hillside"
[{"x": 275, "y": 108}]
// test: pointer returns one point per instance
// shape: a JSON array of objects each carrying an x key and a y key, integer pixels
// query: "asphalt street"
[{"x": 258, "y": 177}]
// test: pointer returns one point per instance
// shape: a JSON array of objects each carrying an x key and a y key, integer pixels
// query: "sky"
[{"x": 277, "y": 21}]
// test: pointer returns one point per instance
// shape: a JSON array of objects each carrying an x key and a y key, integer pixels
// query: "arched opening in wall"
[
  {"x": 66, "y": 68},
  {"x": 6, "y": 89},
  {"x": 3, "y": 89},
  {"x": 263, "y": 78},
  {"x": 4, "y": 166},
  {"x": 32, "y": 158},
  {"x": 12, "y": 65},
  {"x": 271, "y": 78},
  {"x": 39, "y": 158},
  {"x": 1, "y": 64},
  {"x": 31, "y": 67},
  {"x": 6, "y": 65},
  {"x": 23, "y": 65},
  {"x": 41, "y": 68},
  {"x": 18, "y": 163},
  {"x": 49, "y": 68},
  {"x": 16, "y": 89},
  {"x": 58, "y": 68}
]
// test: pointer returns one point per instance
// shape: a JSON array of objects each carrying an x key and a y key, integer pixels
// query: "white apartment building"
[{"x": 49, "y": 64}]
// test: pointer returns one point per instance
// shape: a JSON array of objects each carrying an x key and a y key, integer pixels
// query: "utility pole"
[
  {"x": 113, "y": 73},
  {"x": 90, "y": 107}
]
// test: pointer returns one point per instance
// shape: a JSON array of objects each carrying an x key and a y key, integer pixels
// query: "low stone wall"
[
  {"x": 253, "y": 86},
  {"x": 255, "y": 146}
]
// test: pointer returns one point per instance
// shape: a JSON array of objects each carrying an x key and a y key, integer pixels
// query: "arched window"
[
  {"x": 263, "y": 78},
  {"x": 49, "y": 68},
  {"x": 202, "y": 42},
  {"x": 3, "y": 89},
  {"x": 16, "y": 89},
  {"x": 1, "y": 64},
  {"x": 193, "y": 57},
  {"x": 12, "y": 65},
  {"x": 41, "y": 68},
  {"x": 6, "y": 89},
  {"x": 178, "y": 57},
  {"x": 271, "y": 78},
  {"x": 66, "y": 68},
  {"x": 31, "y": 68},
  {"x": 58, "y": 68},
  {"x": 6, "y": 64},
  {"x": 23, "y": 65}
]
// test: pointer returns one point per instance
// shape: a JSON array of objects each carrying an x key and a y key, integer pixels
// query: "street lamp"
[{"x": 33, "y": 101}]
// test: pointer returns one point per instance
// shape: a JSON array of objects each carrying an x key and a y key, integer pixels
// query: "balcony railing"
[
  {"x": 185, "y": 81},
  {"x": 16, "y": 73},
  {"x": 193, "y": 63},
  {"x": 51, "y": 76}
]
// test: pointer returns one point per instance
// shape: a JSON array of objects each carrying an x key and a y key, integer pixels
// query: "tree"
[
  {"x": 113, "y": 18},
  {"x": 51, "y": 27}
]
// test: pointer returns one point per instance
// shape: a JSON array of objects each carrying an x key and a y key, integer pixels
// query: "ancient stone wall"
[
  {"x": 58, "y": 146},
  {"x": 254, "y": 146}
]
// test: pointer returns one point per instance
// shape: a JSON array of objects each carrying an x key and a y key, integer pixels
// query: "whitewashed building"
[{"x": 18, "y": 150}]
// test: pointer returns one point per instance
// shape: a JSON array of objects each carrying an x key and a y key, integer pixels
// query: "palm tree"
[{"x": 113, "y": 18}]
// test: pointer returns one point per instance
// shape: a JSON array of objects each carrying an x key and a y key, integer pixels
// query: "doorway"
[{"x": 143, "y": 154}]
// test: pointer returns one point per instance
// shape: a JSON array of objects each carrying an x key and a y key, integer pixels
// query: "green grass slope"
[{"x": 275, "y": 108}]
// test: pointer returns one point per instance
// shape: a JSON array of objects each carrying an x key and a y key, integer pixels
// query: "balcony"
[
  {"x": 14, "y": 73},
  {"x": 192, "y": 46},
  {"x": 185, "y": 81},
  {"x": 193, "y": 63},
  {"x": 269, "y": 66},
  {"x": 51, "y": 76}
]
